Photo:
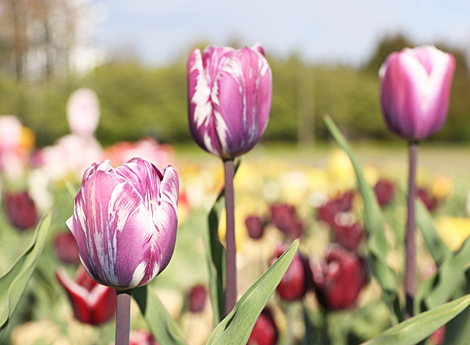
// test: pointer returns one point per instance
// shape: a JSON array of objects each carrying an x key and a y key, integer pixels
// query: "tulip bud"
[
  {"x": 384, "y": 191},
  {"x": 348, "y": 235},
  {"x": 339, "y": 279},
  {"x": 92, "y": 303},
  {"x": 331, "y": 208},
  {"x": 265, "y": 330},
  {"x": 255, "y": 226},
  {"x": 285, "y": 219},
  {"x": 66, "y": 248},
  {"x": 438, "y": 336},
  {"x": 125, "y": 222},
  {"x": 426, "y": 198},
  {"x": 21, "y": 210},
  {"x": 229, "y": 99},
  {"x": 297, "y": 279},
  {"x": 197, "y": 298},
  {"x": 415, "y": 91},
  {"x": 83, "y": 112}
]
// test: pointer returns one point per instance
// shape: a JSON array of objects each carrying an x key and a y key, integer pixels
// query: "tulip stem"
[
  {"x": 410, "y": 242},
  {"x": 230, "y": 243},
  {"x": 123, "y": 316}
]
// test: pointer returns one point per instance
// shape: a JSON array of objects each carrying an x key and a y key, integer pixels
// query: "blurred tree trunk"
[{"x": 305, "y": 106}]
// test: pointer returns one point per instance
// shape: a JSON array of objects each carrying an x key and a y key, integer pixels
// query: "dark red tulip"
[
  {"x": 197, "y": 298},
  {"x": 427, "y": 199},
  {"x": 92, "y": 303},
  {"x": 265, "y": 330},
  {"x": 328, "y": 210},
  {"x": 255, "y": 227},
  {"x": 339, "y": 279},
  {"x": 348, "y": 235},
  {"x": 285, "y": 219},
  {"x": 297, "y": 278},
  {"x": 66, "y": 248},
  {"x": 438, "y": 336},
  {"x": 21, "y": 210},
  {"x": 384, "y": 192}
]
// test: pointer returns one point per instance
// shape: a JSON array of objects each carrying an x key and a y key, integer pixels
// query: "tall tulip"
[
  {"x": 125, "y": 222},
  {"x": 229, "y": 99},
  {"x": 83, "y": 112},
  {"x": 414, "y": 94}
]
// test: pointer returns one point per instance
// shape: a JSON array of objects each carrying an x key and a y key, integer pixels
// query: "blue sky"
[{"x": 343, "y": 31}]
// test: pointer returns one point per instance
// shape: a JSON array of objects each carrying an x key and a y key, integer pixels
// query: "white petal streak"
[
  {"x": 201, "y": 96},
  {"x": 138, "y": 275}
]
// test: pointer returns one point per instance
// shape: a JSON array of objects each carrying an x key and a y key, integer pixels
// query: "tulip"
[
  {"x": 414, "y": 94},
  {"x": 331, "y": 208},
  {"x": 348, "y": 235},
  {"x": 125, "y": 222},
  {"x": 297, "y": 279},
  {"x": 339, "y": 279},
  {"x": 66, "y": 248},
  {"x": 21, "y": 210},
  {"x": 92, "y": 303},
  {"x": 83, "y": 112},
  {"x": 197, "y": 298},
  {"x": 285, "y": 219},
  {"x": 265, "y": 330},
  {"x": 427, "y": 199},
  {"x": 229, "y": 99},
  {"x": 415, "y": 91},
  {"x": 384, "y": 191},
  {"x": 255, "y": 227},
  {"x": 438, "y": 336}
]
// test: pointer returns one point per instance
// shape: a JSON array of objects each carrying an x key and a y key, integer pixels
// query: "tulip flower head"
[
  {"x": 265, "y": 330},
  {"x": 125, "y": 222},
  {"x": 83, "y": 112},
  {"x": 415, "y": 91},
  {"x": 21, "y": 210},
  {"x": 197, "y": 298},
  {"x": 92, "y": 303},
  {"x": 229, "y": 99},
  {"x": 339, "y": 279}
]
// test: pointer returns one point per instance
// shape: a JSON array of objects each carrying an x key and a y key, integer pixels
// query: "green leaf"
[
  {"x": 421, "y": 326},
  {"x": 376, "y": 242},
  {"x": 160, "y": 322},
  {"x": 216, "y": 256},
  {"x": 449, "y": 276},
  {"x": 70, "y": 189},
  {"x": 236, "y": 328},
  {"x": 13, "y": 283}
]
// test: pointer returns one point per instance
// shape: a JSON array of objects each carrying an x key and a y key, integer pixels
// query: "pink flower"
[
  {"x": 285, "y": 219},
  {"x": 229, "y": 96},
  {"x": 415, "y": 91},
  {"x": 125, "y": 222},
  {"x": 92, "y": 303},
  {"x": 83, "y": 112},
  {"x": 331, "y": 208}
]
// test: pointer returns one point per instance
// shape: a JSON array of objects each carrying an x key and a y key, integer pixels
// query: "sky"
[{"x": 337, "y": 31}]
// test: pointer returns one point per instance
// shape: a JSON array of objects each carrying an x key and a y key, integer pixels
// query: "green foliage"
[
  {"x": 374, "y": 224},
  {"x": 14, "y": 282},
  {"x": 421, "y": 326}
]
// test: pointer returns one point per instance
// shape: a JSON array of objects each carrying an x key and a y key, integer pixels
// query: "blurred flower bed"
[{"x": 276, "y": 201}]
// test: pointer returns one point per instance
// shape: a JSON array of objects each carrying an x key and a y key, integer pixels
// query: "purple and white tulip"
[
  {"x": 125, "y": 222},
  {"x": 229, "y": 99},
  {"x": 415, "y": 91}
]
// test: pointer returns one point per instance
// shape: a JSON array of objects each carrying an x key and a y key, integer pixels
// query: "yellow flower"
[
  {"x": 441, "y": 186},
  {"x": 453, "y": 231},
  {"x": 241, "y": 233},
  {"x": 341, "y": 170},
  {"x": 27, "y": 139}
]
